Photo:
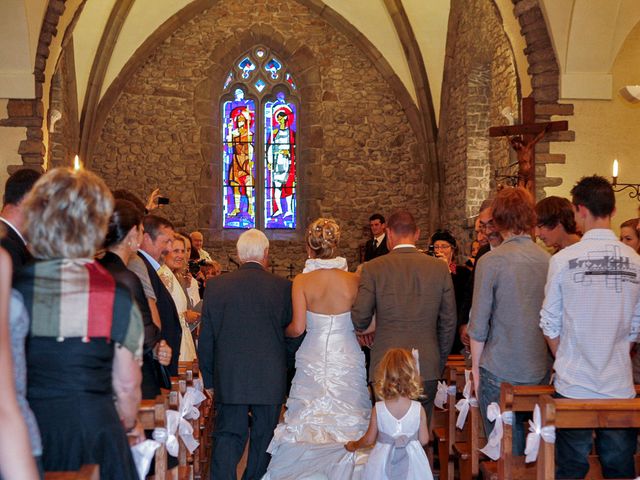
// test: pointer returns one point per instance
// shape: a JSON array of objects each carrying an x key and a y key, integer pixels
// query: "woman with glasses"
[{"x": 444, "y": 247}]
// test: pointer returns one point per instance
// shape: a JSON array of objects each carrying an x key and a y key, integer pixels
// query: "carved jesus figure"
[{"x": 525, "y": 154}]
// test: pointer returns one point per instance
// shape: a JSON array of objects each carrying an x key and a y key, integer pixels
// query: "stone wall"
[
  {"x": 64, "y": 136},
  {"x": 480, "y": 80},
  {"x": 358, "y": 153}
]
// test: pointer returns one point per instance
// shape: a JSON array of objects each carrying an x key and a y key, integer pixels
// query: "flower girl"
[{"x": 398, "y": 424}]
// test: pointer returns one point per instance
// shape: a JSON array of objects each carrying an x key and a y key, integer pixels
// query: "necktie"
[{"x": 375, "y": 243}]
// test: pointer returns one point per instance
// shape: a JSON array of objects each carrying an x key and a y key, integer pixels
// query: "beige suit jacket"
[{"x": 412, "y": 297}]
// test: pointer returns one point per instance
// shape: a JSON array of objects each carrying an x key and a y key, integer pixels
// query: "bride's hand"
[{"x": 351, "y": 446}]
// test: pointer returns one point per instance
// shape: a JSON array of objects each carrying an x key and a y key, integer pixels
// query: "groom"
[
  {"x": 243, "y": 355},
  {"x": 412, "y": 297}
]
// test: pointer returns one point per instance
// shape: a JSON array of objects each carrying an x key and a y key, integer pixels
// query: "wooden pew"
[
  {"x": 444, "y": 431},
  {"x": 519, "y": 398},
  {"x": 152, "y": 414},
  {"x": 514, "y": 398},
  {"x": 467, "y": 445},
  {"x": 86, "y": 472},
  {"x": 570, "y": 413}
]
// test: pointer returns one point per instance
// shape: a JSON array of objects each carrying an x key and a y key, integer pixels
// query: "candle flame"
[{"x": 76, "y": 164}]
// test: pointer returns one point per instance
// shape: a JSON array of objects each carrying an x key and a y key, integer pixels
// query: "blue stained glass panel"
[
  {"x": 280, "y": 120},
  {"x": 247, "y": 66},
  {"x": 273, "y": 66},
  {"x": 260, "y": 84},
  {"x": 239, "y": 170}
]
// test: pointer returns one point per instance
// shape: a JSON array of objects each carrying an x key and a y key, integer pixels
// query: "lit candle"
[{"x": 77, "y": 165}]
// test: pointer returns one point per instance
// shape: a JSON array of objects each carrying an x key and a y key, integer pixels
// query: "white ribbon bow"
[
  {"x": 167, "y": 436},
  {"x": 465, "y": 402},
  {"x": 492, "y": 448},
  {"x": 189, "y": 403},
  {"x": 537, "y": 431},
  {"x": 442, "y": 393},
  {"x": 142, "y": 454}
]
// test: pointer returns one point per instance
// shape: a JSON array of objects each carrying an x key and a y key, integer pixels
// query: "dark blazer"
[
  {"x": 412, "y": 296},
  {"x": 13, "y": 244},
  {"x": 242, "y": 349},
  {"x": 371, "y": 252},
  {"x": 169, "y": 319},
  {"x": 119, "y": 271},
  {"x": 464, "y": 308}
]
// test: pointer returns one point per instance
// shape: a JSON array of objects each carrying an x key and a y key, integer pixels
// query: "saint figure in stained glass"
[
  {"x": 239, "y": 118},
  {"x": 280, "y": 137}
]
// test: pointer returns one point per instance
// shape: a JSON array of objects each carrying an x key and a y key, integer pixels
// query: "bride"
[{"x": 329, "y": 402}]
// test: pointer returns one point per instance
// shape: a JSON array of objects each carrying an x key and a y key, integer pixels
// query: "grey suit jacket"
[
  {"x": 242, "y": 349},
  {"x": 412, "y": 296}
]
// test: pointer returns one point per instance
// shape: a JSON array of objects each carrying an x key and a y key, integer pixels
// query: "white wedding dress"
[{"x": 328, "y": 405}]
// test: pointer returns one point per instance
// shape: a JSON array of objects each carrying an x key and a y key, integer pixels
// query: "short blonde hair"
[
  {"x": 67, "y": 214},
  {"x": 397, "y": 376},
  {"x": 251, "y": 246},
  {"x": 323, "y": 236}
]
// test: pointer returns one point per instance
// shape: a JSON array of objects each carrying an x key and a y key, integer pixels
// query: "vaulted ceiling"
[{"x": 587, "y": 36}]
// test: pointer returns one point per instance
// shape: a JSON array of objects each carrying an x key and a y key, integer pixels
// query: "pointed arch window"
[{"x": 259, "y": 110}]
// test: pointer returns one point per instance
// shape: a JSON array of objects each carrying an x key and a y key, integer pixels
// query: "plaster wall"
[{"x": 606, "y": 129}]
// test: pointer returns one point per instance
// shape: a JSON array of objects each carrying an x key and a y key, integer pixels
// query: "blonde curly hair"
[
  {"x": 397, "y": 376},
  {"x": 323, "y": 236}
]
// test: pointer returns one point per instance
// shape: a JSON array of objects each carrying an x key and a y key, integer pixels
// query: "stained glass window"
[
  {"x": 259, "y": 173},
  {"x": 239, "y": 169},
  {"x": 280, "y": 163}
]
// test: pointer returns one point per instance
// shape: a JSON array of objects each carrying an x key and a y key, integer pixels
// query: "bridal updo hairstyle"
[
  {"x": 323, "y": 237},
  {"x": 397, "y": 375}
]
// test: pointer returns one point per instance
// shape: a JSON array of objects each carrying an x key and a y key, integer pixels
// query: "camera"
[
  {"x": 194, "y": 266},
  {"x": 431, "y": 250},
  {"x": 163, "y": 200}
]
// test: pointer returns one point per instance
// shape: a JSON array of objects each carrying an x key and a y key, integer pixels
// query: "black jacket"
[
  {"x": 242, "y": 348},
  {"x": 169, "y": 319}
]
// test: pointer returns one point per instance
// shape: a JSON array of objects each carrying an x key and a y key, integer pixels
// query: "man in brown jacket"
[{"x": 411, "y": 295}]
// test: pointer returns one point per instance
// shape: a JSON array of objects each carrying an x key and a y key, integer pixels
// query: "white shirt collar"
[
  {"x": 152, "y": 261},
  {"x": 404, "y": 245},
  {"x": 379, "y": 238},
  {"x": 13, "y": 227}
]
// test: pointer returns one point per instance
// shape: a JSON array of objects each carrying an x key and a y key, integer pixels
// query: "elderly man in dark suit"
[
  {"x": 412, "y": 297},
  {"x": 12, "y": 216},
  {"x": 243, "y": 356}
]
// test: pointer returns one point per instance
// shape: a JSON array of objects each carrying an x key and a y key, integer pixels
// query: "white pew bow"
[
  {"x": 537, "y": 431},
  {"x": 167, "y": 436},
  {"x": 442, "y": 393},
  {"x": 142, "y": 454},
  {"x": 189, "y": 403},
  {"x": 492, "y": 448},
  {"x": 465, "y": 402}
]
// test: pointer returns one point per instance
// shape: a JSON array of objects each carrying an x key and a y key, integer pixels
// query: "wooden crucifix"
[{"x": 523, "y": 139}]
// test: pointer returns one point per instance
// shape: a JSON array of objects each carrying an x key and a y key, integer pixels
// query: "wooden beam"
[{"x": 531, "y": 129}]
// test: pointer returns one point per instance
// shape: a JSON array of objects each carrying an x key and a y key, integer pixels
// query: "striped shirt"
[{"x": 592, "y": 302}]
